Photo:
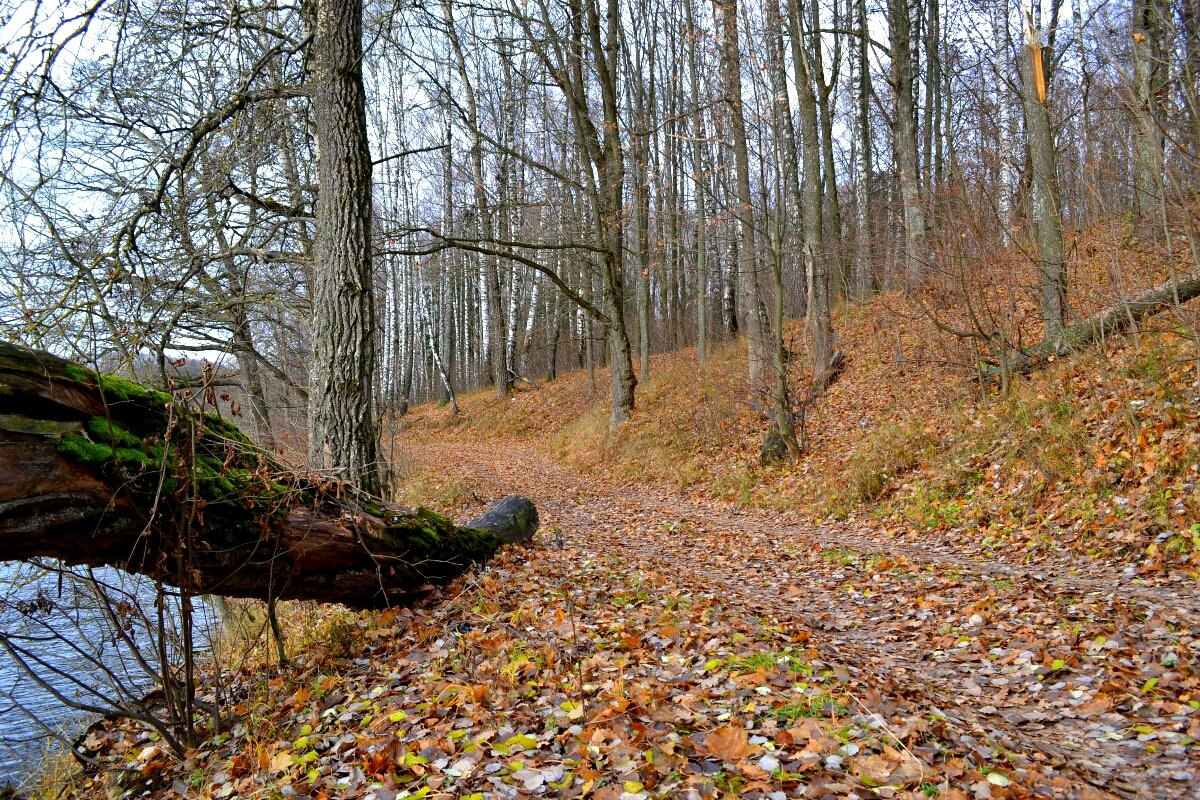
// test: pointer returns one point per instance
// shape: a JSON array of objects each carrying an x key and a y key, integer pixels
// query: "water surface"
[{"x": 76, "y": 648}]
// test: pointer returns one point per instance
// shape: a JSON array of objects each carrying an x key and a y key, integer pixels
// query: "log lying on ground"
[
  {"x": 102, "y": 471},
  {"x": 1111, "y": 321}
]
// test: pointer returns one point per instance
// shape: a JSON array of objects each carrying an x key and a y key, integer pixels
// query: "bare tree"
[
  {"x": 1047, "y": 213},
  {"x": 904, "y": 138},
  {"x": 726, "y": 13}
]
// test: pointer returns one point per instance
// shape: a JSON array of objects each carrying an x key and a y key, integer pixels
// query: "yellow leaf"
[{"x": 280, "y": 762}]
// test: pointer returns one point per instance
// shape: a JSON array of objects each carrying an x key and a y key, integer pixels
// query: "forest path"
[{"x": 1075, "y": 674}]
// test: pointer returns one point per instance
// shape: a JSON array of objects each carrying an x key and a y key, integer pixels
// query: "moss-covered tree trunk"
[{"x": 99, "y": 470}]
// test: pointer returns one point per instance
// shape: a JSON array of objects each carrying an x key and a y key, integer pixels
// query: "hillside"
[{"x": 1099, "y": 453}]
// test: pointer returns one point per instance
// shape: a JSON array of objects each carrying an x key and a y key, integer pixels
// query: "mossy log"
[
  {"x": 98, "y": 470},
  {"x": 1114, "y": 320}
]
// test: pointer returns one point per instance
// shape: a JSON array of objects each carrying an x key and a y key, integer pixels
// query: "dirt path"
[{"x": 1076, "y": 675}]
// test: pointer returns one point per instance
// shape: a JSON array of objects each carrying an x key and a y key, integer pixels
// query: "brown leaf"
[
  {"x": 874, "y": 770},
  {"x": 729, "y": 743}
]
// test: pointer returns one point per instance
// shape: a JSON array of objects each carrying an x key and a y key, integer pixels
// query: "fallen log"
[
  {"x": 98, "y": 470},
  {"x": 1111, "y": 321}
]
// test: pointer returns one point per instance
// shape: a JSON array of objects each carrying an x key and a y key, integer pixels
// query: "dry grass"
[{"x": 57, "y": 776}]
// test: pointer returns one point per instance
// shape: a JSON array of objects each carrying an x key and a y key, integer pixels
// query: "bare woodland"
[
  {"x": 296, "y": 222},
  {"x": 366, "y": 208}
]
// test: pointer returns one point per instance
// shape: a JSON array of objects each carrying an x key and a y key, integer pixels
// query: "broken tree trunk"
[
  {"x": 97, "y": 470},
  {"x": 1113, "y": 320}
]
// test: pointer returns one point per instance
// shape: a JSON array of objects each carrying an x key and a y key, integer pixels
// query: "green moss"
[
  {"x": 374, "y": 509},
  {"x": 436, "y": 522},
  {"x": 224, "y": 429},
  {"x": 118, "y": 389},
  {"x": 430, "y": 546},
  {"x": 130, "y": 454},
  {"x": 476, "y": 545},
  {"x": 106, "y": 444},
  {"x": 103, "y": 429},
  {"x": 78, "y": 373},
  {"x": 130, "y": 392},
  {"x": 80, "y": 449}
]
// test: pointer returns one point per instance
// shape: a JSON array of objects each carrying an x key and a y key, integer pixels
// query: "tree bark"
[
  {"x": 99, "y": 470},
  {"x": 640, "y": 162},
  {"x": 1189, "y": 24},
  {"x": 788, "y": 227},
  {"x": 904, "y": 136},
  {"x": 831, "y": 225},
  {"x": 864, "y": 279},
  {"x": 342, "y": 435},
  {"x": 1005, "y": 180},
  {"x": 1150, "y": 69},
  {"x": 726, "y": 13},
  {"x": 816, "y": 262},
  {"x": 785, "y": 131},
  {"x": 699, "y": 182},
  {"x": 1047, "y": 213}
]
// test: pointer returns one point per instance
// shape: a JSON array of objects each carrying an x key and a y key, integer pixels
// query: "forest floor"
[
  {"x": 654, "y": 644},
  {"x": 955, "y": 593},
  {"x": 860, "y": 660}
]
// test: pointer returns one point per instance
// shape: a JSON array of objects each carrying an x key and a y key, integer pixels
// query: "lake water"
[{"x": 79, "y": 648}]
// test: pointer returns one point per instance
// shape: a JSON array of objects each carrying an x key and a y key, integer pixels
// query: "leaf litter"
[{"x": 651, "y": 645}]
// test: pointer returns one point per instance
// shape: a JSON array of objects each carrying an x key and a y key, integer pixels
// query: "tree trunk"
[
  {"x": 930, "y": 110},
  {"x": 100, "y": 470},
  {"x": 699, "y": 181},
  {"x": 793, "y": 221},
  {"x": 1150, "y": 82},
  {"x": 555, "y": 334},
  {"x": 788, "y": 201},
  {"x": 1005, "y": 179},
  {"x": 641, "y": 205},
  {"x": 727, "y": 22},
  {"x": 342, "y": 435},
  {"x": 863, "y": 277},
  {"x": 1189, "y": 24},
  {"x": 410, "y": 349},
  {"x": 818, "y": 322},
  {"x": 623, "y": 380},
  {"x": 904, "y": 137},
  {"x": 831, "y": 225},
  {"x": 1047, "y": 215}
]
